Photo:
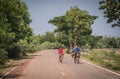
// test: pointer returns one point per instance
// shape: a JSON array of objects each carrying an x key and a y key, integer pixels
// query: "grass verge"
[{"x": 106, "y": 58}]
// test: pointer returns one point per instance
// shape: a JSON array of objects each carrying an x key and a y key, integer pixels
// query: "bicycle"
[
  {"x": 76, "y": 57},
  {"x": 61, "y": 57}
]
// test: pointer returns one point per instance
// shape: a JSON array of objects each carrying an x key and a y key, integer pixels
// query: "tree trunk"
[
  {"x": 71, "y": 47},
  {"x": 75, "y": 41}
]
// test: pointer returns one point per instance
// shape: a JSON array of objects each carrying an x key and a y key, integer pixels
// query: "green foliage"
[
  {"x": 100, "y": 42},
  {"x": 23, "y": 47},
  {"x": 14, "y": 25},
  {"x": 33, "y": 44},
  {"x": 68, "y": 51},
  {"x": 3, "y": 57},
  {"x": 48, "y": 36},
  {"x": 30, "y": 44},
  {"x": 86, "y": 46},
  {"x": 111, "y": 42},
  {"x": 111, "y": 10},
  {"x": 109, "y": 59},
  {"x": 75, "y": 23},
  {"x": 62, "y": 38},
  {"x": 45, "y": 45}
]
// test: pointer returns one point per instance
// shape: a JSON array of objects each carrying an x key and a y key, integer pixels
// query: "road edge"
[
  {"x": 4, "y": 75},
  {"x": 14, "y": 68},
  {"x": 102, "y": 68},
  {"x": 99, "y": 67}
]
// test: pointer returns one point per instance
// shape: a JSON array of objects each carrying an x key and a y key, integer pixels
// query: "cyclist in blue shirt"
[
  {"x": 76, "y": 50},
  {"x": 76, "y": 54}
]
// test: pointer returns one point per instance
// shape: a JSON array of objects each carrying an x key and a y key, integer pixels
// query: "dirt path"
[{"x": 45, "y": 65}]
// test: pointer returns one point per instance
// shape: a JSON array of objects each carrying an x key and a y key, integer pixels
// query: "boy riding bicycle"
[
  {"x": 61, "y": 54},
  {"x": 76, "y": 53}
]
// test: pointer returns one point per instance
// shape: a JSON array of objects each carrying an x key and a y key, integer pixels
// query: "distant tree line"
[{"x": 101, "y": 42}]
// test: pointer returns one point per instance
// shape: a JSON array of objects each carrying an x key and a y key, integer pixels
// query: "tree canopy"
[
  {"x": 14, "y": 23},
  {"x": 74, "y": 23},
  {"x": 111, "y": 10}
]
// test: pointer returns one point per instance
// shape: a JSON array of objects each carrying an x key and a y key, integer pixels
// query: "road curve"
[{"x": 45, "y": 65}]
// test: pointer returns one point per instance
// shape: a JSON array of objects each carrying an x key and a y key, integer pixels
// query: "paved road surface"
[{"x": 45, "y": 65}]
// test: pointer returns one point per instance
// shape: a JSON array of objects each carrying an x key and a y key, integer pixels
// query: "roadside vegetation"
[{"x": 108, "y": 58}]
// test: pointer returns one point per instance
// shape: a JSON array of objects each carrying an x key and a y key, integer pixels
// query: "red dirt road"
[{"x": 45, "y": 65}]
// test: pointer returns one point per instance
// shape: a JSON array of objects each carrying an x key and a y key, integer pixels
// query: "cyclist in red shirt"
[{"x": 61, "y": 54}]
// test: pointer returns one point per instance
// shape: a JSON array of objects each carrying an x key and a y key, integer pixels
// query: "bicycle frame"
[
  {"x": 76, "y": 58},
  {"x": 61, "y": 57}
]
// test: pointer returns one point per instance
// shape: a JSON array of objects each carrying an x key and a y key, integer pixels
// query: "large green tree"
[
  {"x": 14, "y": 24},
  {"x": 111, "y": 10},
  {"x": 75, "y": 23}
]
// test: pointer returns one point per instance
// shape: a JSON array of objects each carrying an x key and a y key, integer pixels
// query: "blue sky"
[{"x": 42, "y": 11}]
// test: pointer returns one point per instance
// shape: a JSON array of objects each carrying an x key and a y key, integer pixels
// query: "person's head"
[
  {"x": 76, "y": 46},
  {"x": 60, "y": 48}
]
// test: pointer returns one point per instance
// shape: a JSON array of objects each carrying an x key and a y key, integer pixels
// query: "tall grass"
[{"x": 107, "y": 58}]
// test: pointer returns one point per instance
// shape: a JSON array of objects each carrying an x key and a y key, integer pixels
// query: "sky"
[{"x": 41, "y": 11}]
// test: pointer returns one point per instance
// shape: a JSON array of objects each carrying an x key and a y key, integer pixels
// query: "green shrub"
[
  {"x": 68, "y": 51},
  {"x": 3, "y": 57},
  {"x": 45, "y": 45}
]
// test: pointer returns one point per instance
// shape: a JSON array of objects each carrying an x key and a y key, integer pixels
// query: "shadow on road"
[
  {"x": 13, "y": 76},
  {"x": 31, "y": 56}
]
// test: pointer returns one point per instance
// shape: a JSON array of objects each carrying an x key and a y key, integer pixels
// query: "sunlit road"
[{"x": 45, "y": 65}]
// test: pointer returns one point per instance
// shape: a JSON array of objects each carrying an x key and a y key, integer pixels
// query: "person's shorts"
[{"x": 77, "y": 54}]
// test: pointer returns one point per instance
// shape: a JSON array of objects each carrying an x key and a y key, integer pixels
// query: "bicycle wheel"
[
  {"x": 77, "y": 59},
  {"x": 61, "y": 58}
]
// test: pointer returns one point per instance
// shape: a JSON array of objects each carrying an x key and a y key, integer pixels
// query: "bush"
[
  {"x": 3, "y": 57},
  {"x": 45, "y": 45},
  {"x": 68, "y": 51}
]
